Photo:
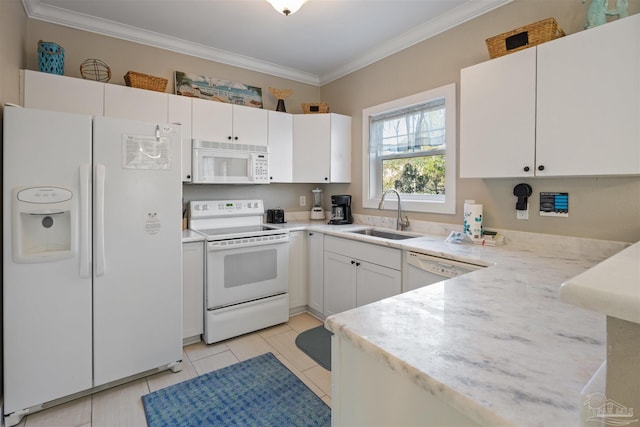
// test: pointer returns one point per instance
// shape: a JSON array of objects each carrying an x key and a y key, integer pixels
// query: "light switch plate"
[{"x": 303, "y": 201}]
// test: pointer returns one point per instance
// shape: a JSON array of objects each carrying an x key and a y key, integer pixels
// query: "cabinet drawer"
[{"x": 380, "y": 255}]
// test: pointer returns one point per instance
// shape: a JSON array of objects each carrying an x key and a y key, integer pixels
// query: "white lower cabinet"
[
  {"x": 297, "y": 271},
  {"x": 357, "y": 273},
  {"x": 339, "y": 283},
  {"x": 192, "y": 291},
  {"x": 315, "y": 271}
]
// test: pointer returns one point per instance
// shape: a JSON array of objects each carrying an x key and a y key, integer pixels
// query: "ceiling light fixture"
[{"x": 287, "y": 7}]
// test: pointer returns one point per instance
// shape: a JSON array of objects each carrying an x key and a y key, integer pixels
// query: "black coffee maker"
[{"x": 341, "y": 209}]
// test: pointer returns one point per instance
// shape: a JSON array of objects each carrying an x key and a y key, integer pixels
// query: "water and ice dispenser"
[{"x": 43, "y": 224}]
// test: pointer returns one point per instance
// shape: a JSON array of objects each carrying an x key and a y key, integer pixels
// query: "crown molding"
[
  {"x": 442, "y": 23},
  {"x": 471, "y": 9}
]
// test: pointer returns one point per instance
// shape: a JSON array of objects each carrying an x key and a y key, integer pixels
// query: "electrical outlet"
[
  {"x": 522, "y": 214},
  {"x": 303, "y": 201}
]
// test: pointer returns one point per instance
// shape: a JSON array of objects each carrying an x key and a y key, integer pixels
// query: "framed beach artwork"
[{"x": 203, "y": 87}]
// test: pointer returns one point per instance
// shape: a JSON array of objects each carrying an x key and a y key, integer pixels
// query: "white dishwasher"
[{"x": 423, "y": 270}]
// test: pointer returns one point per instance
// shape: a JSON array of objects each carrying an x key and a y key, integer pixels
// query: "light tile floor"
[{"x": 121, "y": 406}]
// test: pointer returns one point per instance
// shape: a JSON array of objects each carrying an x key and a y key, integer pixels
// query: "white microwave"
[{"x": 229, "y": 163}]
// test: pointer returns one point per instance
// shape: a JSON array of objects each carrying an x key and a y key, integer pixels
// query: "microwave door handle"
[{"x": 250, "y": 166}]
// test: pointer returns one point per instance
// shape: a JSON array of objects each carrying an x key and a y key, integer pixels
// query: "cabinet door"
[
  {"x": 497, "y": 117},
  {"x": 340, "y": 148},
  {"x": 46, "y": 91},
  {"x": 311, "y": 147},
  {"x": 375, "y": 283},
  {"x": 179, "y": 111},
  {"x": 297, "y": 270},
  {"x": 135, "y": 104},
  {"x": 339, "y": 283},
  {"x": 250, "y": 125},
  {"x": 315, "y": 278},
  {"x": 212, "y": 120},
  {"x": 192, "y": 289},
  {"x": 589, "y": 101},
  {"x": 280, "y": 147}
]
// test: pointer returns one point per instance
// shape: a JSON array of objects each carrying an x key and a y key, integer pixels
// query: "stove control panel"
[{"x": 221, "y": 208}]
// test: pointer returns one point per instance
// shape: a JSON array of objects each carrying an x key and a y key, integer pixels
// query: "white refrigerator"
[{"x": 92, "y": 261}]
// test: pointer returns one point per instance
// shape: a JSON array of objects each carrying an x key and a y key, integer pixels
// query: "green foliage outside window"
[{"x": 414, "y": 175}]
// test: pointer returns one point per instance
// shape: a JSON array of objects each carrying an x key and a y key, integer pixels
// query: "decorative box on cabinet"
[
  {"x": 192, "y": 291},
  {"x": 280, "y": 147},
  {"x": 321, "y": 148},
  {"x": 59, "y": 93},
  {"x": 222, "y": 122},
  {"x": 559, "y": 104}
]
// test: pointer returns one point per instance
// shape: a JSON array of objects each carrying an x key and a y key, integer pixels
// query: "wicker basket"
[
  {"x": 524, "y": 37},
  {"x": 315, "y": 107},
  {"x": 145, "y": 81}
]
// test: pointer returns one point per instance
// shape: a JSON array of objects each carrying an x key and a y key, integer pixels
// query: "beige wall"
[
  {"x": 601, "y": 208},
  {"x": 13, "y": 35}
]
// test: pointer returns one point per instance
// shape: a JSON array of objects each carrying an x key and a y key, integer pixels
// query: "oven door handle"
[{"x": 227, "y": 246}]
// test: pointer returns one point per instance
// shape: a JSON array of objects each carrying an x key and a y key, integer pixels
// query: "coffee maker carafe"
[{"x": 341, "y": 209}]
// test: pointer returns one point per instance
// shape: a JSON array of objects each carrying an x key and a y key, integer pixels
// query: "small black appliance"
[{"x": 341, "y": 209}]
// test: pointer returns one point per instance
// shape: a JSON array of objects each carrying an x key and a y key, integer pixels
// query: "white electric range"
[{"x": 246, "y": 268}]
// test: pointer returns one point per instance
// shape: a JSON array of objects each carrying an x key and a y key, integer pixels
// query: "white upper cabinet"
[
  {"x": 135, "y": 104},
  {"x": 280, "y": 147},
  {"x": 179, "y": 111},
  {"x": 221, "y": 122},
  {"x": 588, "y": 110},
  {"x": 571, "y": 104},
  {"x": 498, "y": 117},
  {"x": 59, "y": 93},
  {"x": 321, "y": 148}
]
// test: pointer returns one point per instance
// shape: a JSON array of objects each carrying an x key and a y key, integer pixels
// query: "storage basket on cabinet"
[
  {"x": 524, "y": 37},
  {"x": 145, "y": 81}
]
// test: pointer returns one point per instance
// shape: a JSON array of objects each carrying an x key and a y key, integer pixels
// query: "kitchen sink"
[{"x": 385, "y": 234}]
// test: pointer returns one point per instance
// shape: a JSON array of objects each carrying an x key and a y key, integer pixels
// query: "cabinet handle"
[
  {"x": 541, "y": 167},
  {"x": 236, "y": 138},
  {"x": 357, "y": 264},
  {"x": 526, "y": 168},
  {"x": 352, "y": 262},
  {"x": 229, "y": 137},
  {"x": 326, "y": 179},
  {"x": 310, "y": 234}
]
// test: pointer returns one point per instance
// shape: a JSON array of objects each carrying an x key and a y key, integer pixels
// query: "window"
[{"x": 410, "y": 145}]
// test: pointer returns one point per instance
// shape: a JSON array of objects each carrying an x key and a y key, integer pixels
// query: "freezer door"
[
  {"x": 47, "y": 285},
  {"x": 137, "y": 317}
]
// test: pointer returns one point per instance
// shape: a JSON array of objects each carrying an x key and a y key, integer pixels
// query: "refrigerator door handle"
[
  {"x": 85, "y": 221},
  {"x": 99, "y": 220}
]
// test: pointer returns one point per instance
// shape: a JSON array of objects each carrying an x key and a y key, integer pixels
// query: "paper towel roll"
[{"x": 473, "y": 219}]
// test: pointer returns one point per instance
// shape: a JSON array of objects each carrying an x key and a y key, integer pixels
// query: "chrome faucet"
[{"x": 401, "y": 223}]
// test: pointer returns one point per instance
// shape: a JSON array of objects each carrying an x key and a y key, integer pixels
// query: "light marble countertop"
[
  {"x": 497, "y": 344},
  {"x": 611, "y": 287}
]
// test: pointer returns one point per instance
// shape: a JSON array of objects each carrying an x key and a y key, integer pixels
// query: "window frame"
[{"x": 371, "y": 162}]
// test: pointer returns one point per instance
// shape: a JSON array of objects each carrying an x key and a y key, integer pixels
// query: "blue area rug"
[{"x": 257, "y": 392}]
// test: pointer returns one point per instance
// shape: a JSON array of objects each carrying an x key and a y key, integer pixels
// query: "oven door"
[{"x": 246, "y": 272}]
